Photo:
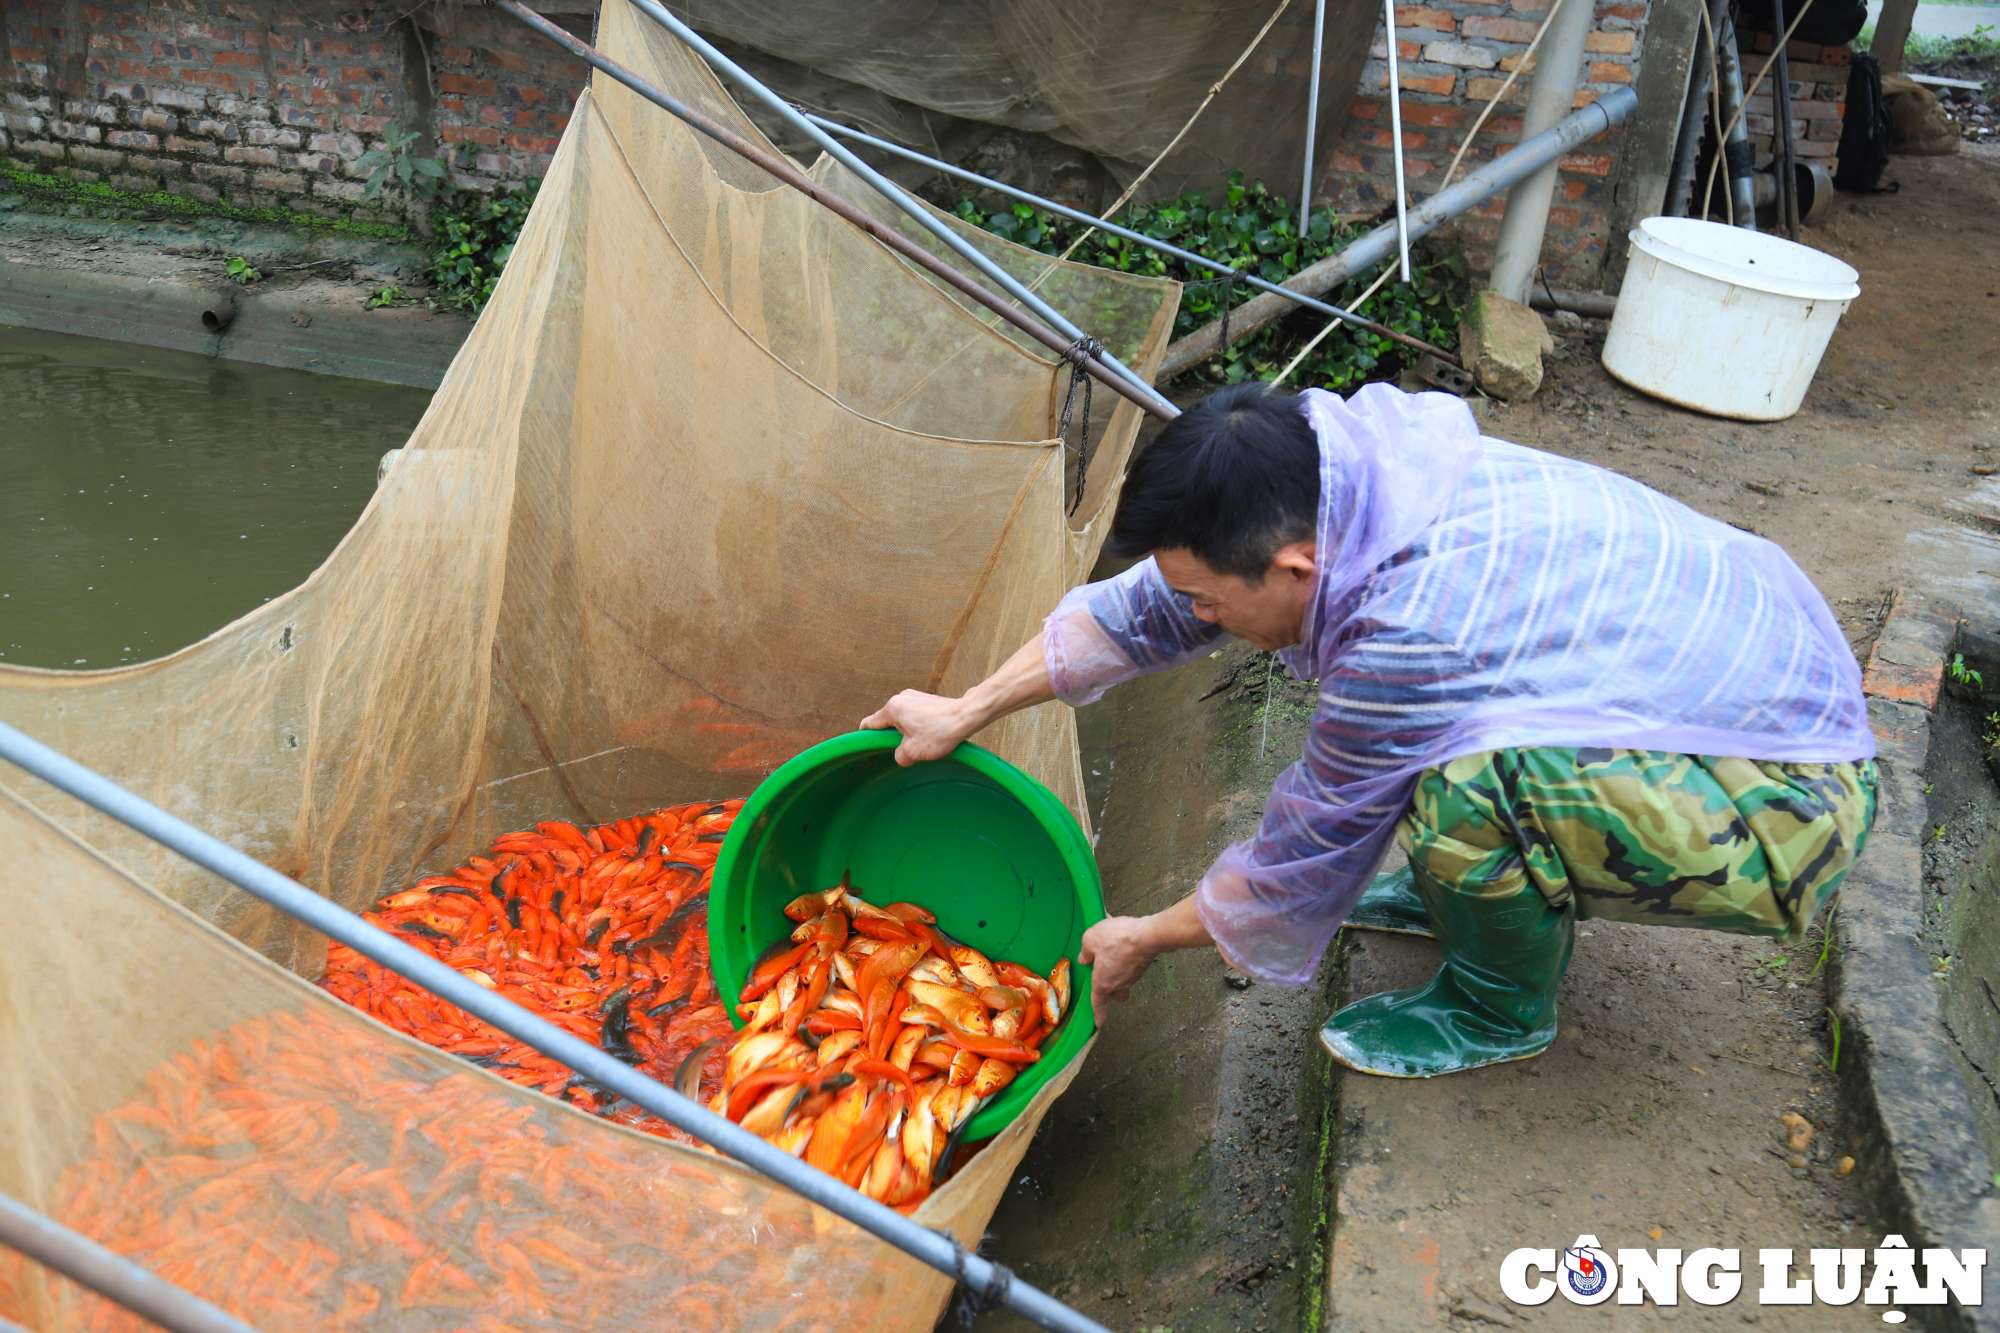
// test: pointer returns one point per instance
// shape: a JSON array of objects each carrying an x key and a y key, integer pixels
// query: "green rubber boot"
[
  {"x": 1493, "y": 1000},
  {"x": 1391, "y": 904}
]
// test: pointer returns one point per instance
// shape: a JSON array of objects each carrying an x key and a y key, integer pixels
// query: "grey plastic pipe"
[
  {"x": 1113, "y": 229},
  {"x": 1558, "y": 71},
  {"x": 298, "y": 901},
  {"x": 887, "y": 188},
  {"x": 110, "y": 1275},
  {"x": 1434, "y": 212}
]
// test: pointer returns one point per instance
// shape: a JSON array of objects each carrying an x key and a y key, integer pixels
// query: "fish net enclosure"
[
  {"x": 714, "y": 474},
  {"x": 1116, "y": 79}
]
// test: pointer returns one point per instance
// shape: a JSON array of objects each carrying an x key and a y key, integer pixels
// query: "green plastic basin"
[{"x": 971, "y": 838}]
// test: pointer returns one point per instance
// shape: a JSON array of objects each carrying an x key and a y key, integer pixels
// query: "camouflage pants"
[{"x": 1640, "y": 835}]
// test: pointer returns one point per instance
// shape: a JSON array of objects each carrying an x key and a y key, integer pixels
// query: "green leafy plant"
[
  {"x": 1256, "y": 232},
  {"x": 394, "y": 161},
  {"x": 1964, "y": 674},
  {"x": 240, "y": 271},
  {"x": 1833, "y": 1060},
  {"x": 474, "y": 245},
  {"x": 391, "y": 295},
  {"x": 1937, "y": 834}
]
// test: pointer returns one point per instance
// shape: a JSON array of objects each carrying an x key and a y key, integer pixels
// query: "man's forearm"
[
  {"x": 1178, "y": 927},
  {"x": 1021, "y": 682}
]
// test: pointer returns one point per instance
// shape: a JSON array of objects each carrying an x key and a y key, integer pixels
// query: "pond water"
[{"x": 149, "y": 497}]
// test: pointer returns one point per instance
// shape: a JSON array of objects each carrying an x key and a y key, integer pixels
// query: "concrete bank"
[
  {"x": 151, "y": 283},
  {"x": 1183, "y": 1181},
  {"x": 1919, "y": 938}
]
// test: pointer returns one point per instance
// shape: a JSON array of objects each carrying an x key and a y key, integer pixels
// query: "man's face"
[{"x": 1267, "y": 614}]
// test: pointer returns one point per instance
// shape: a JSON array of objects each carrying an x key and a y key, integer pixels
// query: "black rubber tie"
[{"x": 975, "y": 1301}]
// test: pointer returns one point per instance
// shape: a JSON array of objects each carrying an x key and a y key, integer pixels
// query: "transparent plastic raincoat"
[{"x": 1475, "y": 595}]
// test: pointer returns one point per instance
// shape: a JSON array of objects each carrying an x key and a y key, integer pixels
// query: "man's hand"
[
  {"x": 1119, "y": 949},
  {"x": 932, "y": 725}
]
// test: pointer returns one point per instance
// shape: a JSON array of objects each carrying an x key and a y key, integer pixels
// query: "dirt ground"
[{"x": 1653, "y": 1122}]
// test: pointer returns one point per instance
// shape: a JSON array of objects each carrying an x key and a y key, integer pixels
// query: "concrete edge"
[
  {"x": 1923, "y": 1169},
  {"x": 401, "y": 346}
]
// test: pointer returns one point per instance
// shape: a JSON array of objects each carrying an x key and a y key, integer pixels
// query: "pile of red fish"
[
  {"x": 308, "y": 1175},
  {"x": 871, "y": 1041},
  {"x": 601, "y": 931}
]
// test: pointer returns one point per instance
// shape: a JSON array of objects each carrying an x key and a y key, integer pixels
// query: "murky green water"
[{"x": 148, "y": 498}]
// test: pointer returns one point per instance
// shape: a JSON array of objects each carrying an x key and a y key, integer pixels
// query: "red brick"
[
  {"x": 462, "y": 83},
  {"x": 1603, "y": 71},
  {"x": 1439, "y": 85},
  {"x": 1427, "y": 113},
  {"x": 1501, "y": 30},
  {"x": 202, "y": 78},
  {"x": 1363, "y": 109},
  {"x": 1587, "y": 164},
  {"x": 1485, "y": 89},
  {"x": 1565, "y": 217},
  {"x": 1627, "y": 11},
  {"x": 1383, "y": 139},
  {"x": 1346, "y": 162},
  {"x": 1416, "y": 16},
  {"x": 1610, "y": 43},
  {"x": 237, "y": 59},
  {"x": 261, "y": 157}
]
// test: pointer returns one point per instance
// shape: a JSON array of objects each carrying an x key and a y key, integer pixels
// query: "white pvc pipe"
[
  {"x": 1558, "y": 71},
  {"x": 1312, "y": 117},
  {"x": 1396, "y": 140}
]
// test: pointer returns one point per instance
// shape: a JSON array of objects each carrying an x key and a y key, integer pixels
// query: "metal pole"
[
  {"x": 1396, "y": 140},
  {"x": 783, "y": 170},
  {"x": 110, "y": 1275},
  {"x": 887, "y": 188},
  {"x": 1137, "y": 238},
  {"x": 1781, "y": 107},
  {"x": 1259, "y": 311},
  {"x": 1312, "y": 117},
  {"x": 296, "y": 900}
]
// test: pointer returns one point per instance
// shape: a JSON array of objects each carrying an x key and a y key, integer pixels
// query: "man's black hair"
[{"x": 1230, "y": 480}]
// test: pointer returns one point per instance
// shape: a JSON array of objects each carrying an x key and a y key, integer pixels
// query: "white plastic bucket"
[{"x": 1725, "y": 320}]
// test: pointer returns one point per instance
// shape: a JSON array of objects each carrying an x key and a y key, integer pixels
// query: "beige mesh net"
[{"x": 713, "y": 476}]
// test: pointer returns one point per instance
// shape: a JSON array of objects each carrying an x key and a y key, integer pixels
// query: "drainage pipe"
[
  {"x": 110, "y": 1275},
  {"x": 1737, "y": 159},
  {"x": 1126, "y": 233},
  {"x": 296, "y": 900},
  {"x": 887, "y": 188},
  {"x": 1379, "y": 244},
  {"x": 783, "y": 170},
  {"x": 1558, "y": 71}
]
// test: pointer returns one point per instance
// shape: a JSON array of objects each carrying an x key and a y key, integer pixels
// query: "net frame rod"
[
  {"x": 109, "y": 1274},
  {"x": 1139, "y": 238},
  {"x": 887, "y": 188},
  {"x": 785, "y": 171},
  {"x": 1312, "y": 116},
  {"x": 301, "y": 903}
]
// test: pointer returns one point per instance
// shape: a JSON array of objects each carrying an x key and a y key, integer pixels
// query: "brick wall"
[
  {"x": 1453, "y": 56},
  {"x": 261, "y": 105},
  {"x": 1818, "y": 87}
]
